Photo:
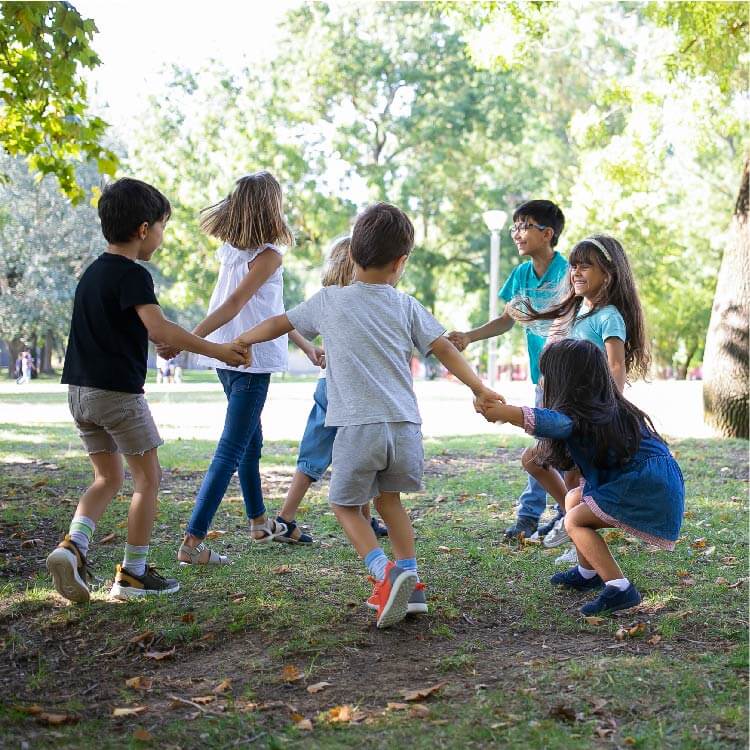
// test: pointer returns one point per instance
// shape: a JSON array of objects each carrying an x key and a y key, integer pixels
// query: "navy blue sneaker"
[
  {"x": 572, "y": 579},
  {"x": 524, "y": 526},
  {"x": 612, "y": 599},
  {"x": 379, "y": 528}
]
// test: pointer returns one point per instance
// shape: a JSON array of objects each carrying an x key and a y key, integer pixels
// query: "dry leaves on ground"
[
  {"x": 108, "y": 539},
  {"x": 161, "y": 655},
  {"x": 290, "y": 673},
  {"x": 142, "y": 735},
  {"x": 215, "y": 534},
  {"x": 130, "y": 711},
  {"x": 281, "y": 570},
  {"x": 140, "y": 683},
  {"x": 421, "y": 693},
  {"x": 318, "y": 686},
  {"x": 223, "y": 687}
]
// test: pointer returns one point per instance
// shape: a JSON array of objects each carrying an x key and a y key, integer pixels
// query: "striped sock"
[
  {"x": 135, "y": 559},
  {"x": 408, "y": 563},
  {"x": 81, "y": 530},
  {"x": 376, "y": 562}
]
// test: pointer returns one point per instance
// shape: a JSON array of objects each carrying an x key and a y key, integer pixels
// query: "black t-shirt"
[{"x": 108, "y": 343}]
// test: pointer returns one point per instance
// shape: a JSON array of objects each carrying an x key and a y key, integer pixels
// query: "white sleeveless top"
[{"x": 270, "y": 356}]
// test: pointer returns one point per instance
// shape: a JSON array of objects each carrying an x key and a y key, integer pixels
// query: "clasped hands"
[{"x": 485, "y": 403}]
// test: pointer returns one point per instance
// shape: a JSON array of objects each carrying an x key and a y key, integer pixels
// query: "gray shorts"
[
  {"x": 372, "y": 458},
  {"x": 112, "y": 422}
]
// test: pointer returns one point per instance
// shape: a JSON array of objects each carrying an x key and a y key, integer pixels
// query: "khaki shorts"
[
  {"x": 372, "y": 458},
  {"x": 113, "y": 422}
]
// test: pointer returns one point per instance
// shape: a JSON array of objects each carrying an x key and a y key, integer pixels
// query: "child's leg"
[
  {"x": 366, "y": 512},
  {"x": 400, "y": 530},
  {"x": 146, "y": 474},
  {"x": 548, "y": 478},
  {"x": 298, "y": 488},
  {"x": 593, "y": 552}
]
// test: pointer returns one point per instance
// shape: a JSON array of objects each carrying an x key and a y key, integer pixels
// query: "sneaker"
[
  {"x": 524, "y": 526},
  {"x": 128, "y": 585},
  {"x": 572, "y": 579},
  {"x": 391, "y": 595},
  {"x": 557, "y": 535},
  {"x": 569, "y": 556},
  {"x": 379, "y": 528},
  {"x": 611, "y": 600},
  {"x": 69, "y": 571},
  {"x": 417, "y": 601},
  {"x": 545, "y": 528}
]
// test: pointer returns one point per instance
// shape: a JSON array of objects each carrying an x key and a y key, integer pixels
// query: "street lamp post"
[{"x": 495, "y": 221}]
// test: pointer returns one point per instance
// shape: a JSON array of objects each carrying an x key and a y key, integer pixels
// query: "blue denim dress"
[{"x": 645, "y": 496}]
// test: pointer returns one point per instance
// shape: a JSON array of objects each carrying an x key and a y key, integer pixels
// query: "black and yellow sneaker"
[
  {"x": 127, "y": 585},
  {"x": 69, "y": 571}
]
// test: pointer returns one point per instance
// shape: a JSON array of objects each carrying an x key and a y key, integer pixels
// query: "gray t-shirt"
[{"x": 369, "y": 332}]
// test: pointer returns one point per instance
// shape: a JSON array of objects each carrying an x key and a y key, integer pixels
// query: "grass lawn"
[{"x": 230, "y": 660}]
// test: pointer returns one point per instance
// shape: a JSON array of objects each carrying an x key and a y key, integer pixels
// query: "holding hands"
[{"x": 459, "y": 340}]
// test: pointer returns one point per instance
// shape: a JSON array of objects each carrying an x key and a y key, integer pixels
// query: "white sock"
[
  {"x": 81, "y": 530},
  {"x": 618, "y": 583},
  {"x": 586, "y": 573},
  {"x": 135, "y": 559}
]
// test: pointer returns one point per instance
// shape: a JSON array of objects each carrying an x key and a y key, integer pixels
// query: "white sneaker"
[
  {"x": 571, "y": 556},
  {"x": 557, "y": 535}
]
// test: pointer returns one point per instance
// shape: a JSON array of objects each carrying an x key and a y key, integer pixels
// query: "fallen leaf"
[
  {"x": 134, "y": 711},
  {"x": 339, "y": 714},
  {"x": 143, "y": 735},
  {"x": 721, "y": 581},
  {"x": 33, "y": 710},
  {"x": 290, "y": 673},
  {"x": 422, "y": 693},
  {"x": 594, "y": 620},
  {"x": 598, "y": 704},
  {"x": 419, "y": 711},
  {"x": 621, "y": 634},
  {"x": 699, "y": 543},
  {"x": 653, "y": 640},
  {"x": 397, "y": 706},
  {"x": 108, "y": 540},
  {"x": 188, "y": 618},
  {"x": 638, "y": 629},
  {"x": 145, "y": 636},
  {"x": 202, "y": 700},
  {"x": 223, "y": 687},
  {"x": 39, "y": 483},
  {"x": 140, "y": 683},
  {"x": 708, "y": 552},
  {"x": 31, "y": 543},
  {"x": 687, "y": 581},
  {"x": 318, "y": 686},
  {"x": 160, "y": 655},
  {"x": 56, "y": 719},
  {"x": 737, "y": 583},
  {"x": 215, "y": 534},
  {"x": 604, "y": 732},
  {"x": 563, "y": 713},
  {"x": 281, "y": 569},
  {"x": 304, "y": 725}
]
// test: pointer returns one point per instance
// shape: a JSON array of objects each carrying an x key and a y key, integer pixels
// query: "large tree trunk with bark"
[{"x": 725, "y": 386}]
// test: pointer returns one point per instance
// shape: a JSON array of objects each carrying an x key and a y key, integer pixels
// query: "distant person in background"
[{"x": 27, "y": 366}]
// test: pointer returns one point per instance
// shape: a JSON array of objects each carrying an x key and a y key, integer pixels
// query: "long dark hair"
[
  {"x": 578, "y": 383},
  {"x": 619, "y": 289}
]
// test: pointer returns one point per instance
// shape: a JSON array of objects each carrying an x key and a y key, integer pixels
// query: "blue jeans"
[
  {"x": 533, "y": 500},
  {"x": 316, "y": 446},
  {"x": 238, "y": 450}
]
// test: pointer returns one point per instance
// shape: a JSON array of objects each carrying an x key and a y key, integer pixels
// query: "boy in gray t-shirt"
[{"x": 370, "y": 331}]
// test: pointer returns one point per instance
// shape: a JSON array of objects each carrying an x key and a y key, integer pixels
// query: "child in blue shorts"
[{"x": 316, "y": 446}]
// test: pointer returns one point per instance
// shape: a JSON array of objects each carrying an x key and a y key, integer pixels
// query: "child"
[
  {"x": 249, "y": 289},
  {"x": 316, "y": 446},
  {"x": 630, "y": 479},
  {"x": 370, "y": 331},
  {"x": 115, "y": 312},
  {"x": 536, "y": 229},
  {"x": 602, "y": 306}
]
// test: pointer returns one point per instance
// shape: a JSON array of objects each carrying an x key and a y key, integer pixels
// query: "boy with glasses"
[{"x": 536, "y": 228}]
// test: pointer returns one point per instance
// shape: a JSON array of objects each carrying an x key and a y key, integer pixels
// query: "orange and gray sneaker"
[
  {"x": 390, "y": 597},
  {"x": 417, "y": 604},
  {"x": 69, "y": 571},
  {"x": 128, "y": 585}
]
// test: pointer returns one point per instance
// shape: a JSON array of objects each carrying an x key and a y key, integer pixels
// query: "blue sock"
[
  {"x": 376, "y": 562},
  {"x": 409, "y": 563}
]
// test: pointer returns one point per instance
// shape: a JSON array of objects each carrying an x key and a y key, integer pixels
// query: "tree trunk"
[
  {"x": 725, "y": 385},
  {"x": 47, "y": 349},
  {"x": 15, "y": 347}
]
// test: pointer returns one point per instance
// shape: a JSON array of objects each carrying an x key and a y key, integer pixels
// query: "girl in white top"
[{"x": 249, "y": 289}]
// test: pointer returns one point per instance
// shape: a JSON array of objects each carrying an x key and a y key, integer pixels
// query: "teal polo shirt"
[{"x": 523, "y": 282}]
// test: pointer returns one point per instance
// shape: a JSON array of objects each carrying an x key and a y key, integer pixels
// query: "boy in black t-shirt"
[{"x": 114, "y": 314}]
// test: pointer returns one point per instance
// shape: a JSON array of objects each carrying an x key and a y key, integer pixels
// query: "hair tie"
[{"x": 598, "y": 244}]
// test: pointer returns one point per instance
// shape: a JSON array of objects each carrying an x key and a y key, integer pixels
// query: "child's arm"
[
  {"x": 615, "y": 349},
  {"x": 504, "y": 413},
  {"x": 495, "y": 327},
  {"x": 447, "y": 353},
  {"x": 261, "y": 269},
  {"x": 314, "y": 353},
  {"x": 269, "y": 329},
  {"x": 170, "y": 334}
]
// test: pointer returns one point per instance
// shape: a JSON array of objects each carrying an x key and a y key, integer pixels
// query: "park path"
[{"x": 196, "y": 410}]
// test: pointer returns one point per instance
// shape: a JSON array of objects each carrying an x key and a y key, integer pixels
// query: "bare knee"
[
  {"x": 528, "y": 461},
  {"x": 572, "y": 498}
]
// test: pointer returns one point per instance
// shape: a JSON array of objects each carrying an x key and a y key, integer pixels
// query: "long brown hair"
[
  {"x": 619, "y": 289},
  {"x": 251, "y": 216},
  {"x": 339, "y": 268}
]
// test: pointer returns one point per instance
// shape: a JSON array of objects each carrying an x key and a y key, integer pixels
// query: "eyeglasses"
[{"x": 524, "y": 227}]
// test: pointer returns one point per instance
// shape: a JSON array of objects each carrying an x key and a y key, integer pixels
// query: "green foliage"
[{"x": 43, "y": 100}]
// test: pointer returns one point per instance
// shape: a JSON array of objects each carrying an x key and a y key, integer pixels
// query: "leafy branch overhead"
[{"x": 44, "y": 113}]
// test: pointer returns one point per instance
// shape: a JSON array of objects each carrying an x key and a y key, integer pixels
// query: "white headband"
[{"x": 598, "y": 244}]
